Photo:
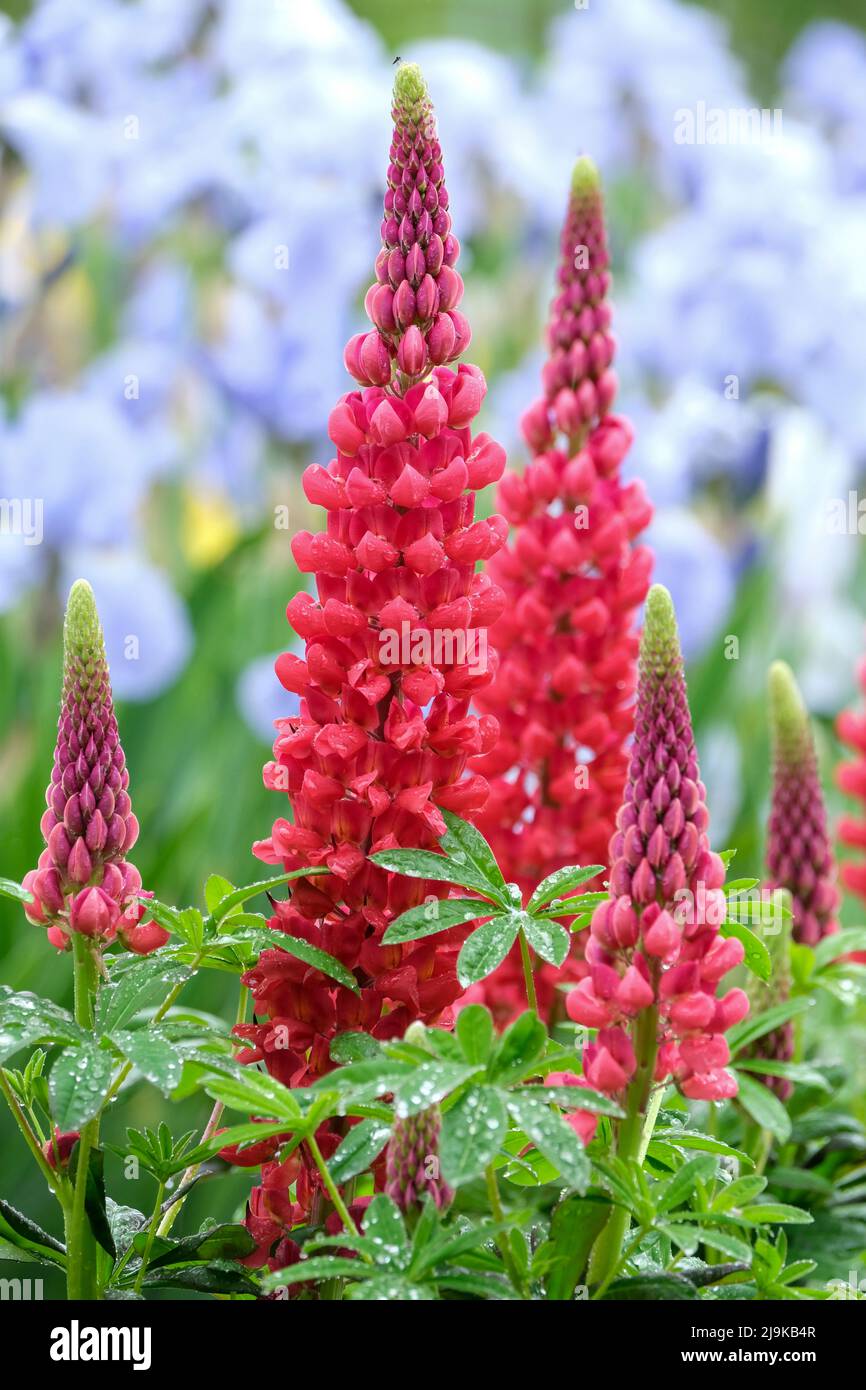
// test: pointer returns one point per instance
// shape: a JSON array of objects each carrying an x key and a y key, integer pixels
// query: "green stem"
[
  {"x": 631, "y": 1142},
  {"x": 526, "y": 958},
  {"x": 151, "y": 1236},
  {"x": 501, "y": 1240},
  {"x": 331, "y": 1187},
  {"x": 649, "y": 1124},
  {"x": 209, "y": 1130},
  {"x": 55, "y": 1181},
  {"x": 82, "y": 1279}
]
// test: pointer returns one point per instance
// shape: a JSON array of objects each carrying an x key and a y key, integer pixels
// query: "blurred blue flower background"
[{"x": 190, "y": 195}]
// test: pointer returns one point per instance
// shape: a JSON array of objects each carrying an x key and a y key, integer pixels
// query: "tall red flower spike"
[
  {"x": 851, "y": 777},
  {"x": 84, "y": 882},
  {"x": 574, "y": 578},
  {"x": 799, "y": 853},
  {"x": 394, "y": 653}
]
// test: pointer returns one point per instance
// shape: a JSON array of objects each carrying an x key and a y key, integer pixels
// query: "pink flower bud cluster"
[
  {"x": 84, "y": 882},
  {"x": 412, "y": 1162},
  {"x": 851, "y": 778},
  {"x": 413, "y": 300},
  {"x": 384, "y": 735},
  {"x": 799, "y": 853},
  {"x": 574, "y": 577},
  {"x": 652, "y": 956}
]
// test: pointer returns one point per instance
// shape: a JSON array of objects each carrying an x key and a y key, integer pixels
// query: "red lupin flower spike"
[
  {"x": 574, "y": 578},
  {"x": 395, "y": 650}
]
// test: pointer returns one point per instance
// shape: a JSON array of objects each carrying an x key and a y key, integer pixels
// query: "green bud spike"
[
  {"x": 410, "y": 91},
  {"x": 660, "y": 643},
  {"x": 789, "y": 719},
  {"x": 585, "y": 179},
  {"x": 83, "y": 643}
]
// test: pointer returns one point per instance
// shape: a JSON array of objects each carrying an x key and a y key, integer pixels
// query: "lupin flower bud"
[
  {"x": 84, "y": 882},
  {"x": 412, "y": 1163},
  {"x": 799, "y": 852},
  {"x": 655, "y": 954},
  {"x": 395, "y": 650},
  {"x": 574, "y": 576},
  {"x": 413, "y": 301}
]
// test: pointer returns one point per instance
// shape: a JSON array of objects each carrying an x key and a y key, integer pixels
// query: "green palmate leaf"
[
  {"x": 423, "y": 863},
  {"x": 740, "y": 885},
  {"x": 684, "y": 1182},
  {"x": 757, "y": 957},
  {"x": 429, "y": 1083},
  {"x": 839, "y": 944},
  {"x": 354, "y": 1047},
  {"x": 547, "y": 938},
  {"x": 693, "y": 1139},
  {"x": 389, "y": 1288},
  {"x": 776, "y": 1214},
  {"x": 311, "y": 1270},
  {"x": 252, "y": 890},
  {"x": 561, "y": 882},
  {"x": 799, "y": 1072},
  {"x": 739, "y": 1192},
  {"x": 742, "y": 1034},
  {"x": 224, "y": 1242},
  {"x": 487, "y": 947},
  {"x": 519, "y": 1048},
  {"x": 727, "y": 1244},
  {"x": 243, "y": 1089},
  {"x": 574, "y": 1227},
  {"x": 27, "y": 1019},
  {"x": 135, "y": 988},
  {"x": 434, "y": 916},
  {"x": 650, "y": 1288},
  {"x": 217, "y": 1278},
  {"x": 153, "y": 1054},
  {"x": 580, "y": 907},
  {"x": 463, "y": 843},
  {"x": 21, "y": 1238},
  {"x": 191, "y": 926},
  {"x": 215, "y": 890},
  {"x": 471, "y": 1135},
  {"x": 367, "y": 1079},
  {"x": 320, "y": 960},
  {"x": 802, "y": 1180},
  {"x": 253, "y": 1132},
  {"x": 575, "y": 1098},
  {"x": 383, "y": 1224},
  {"x": 449, "y": 1246},
  {"x": 475, "y": 1033},
  {"x": 167, "y": 916},
  {"x": 553, "y": 1138},
  {"x": 359, "y": 1149},
  {"x": 10, "y": 889},
  {"x": 485, "y": 1286},
  {"x": 78, "y": 1084},
  {"x": 764, "y": 1107}
]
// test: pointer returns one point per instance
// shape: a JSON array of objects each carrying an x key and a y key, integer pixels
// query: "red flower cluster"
[
  {"x": 851, "y": 777},
  {"x": 84, "y": 882},
  {"x": 655, "y": 955},
  {"x": 573, "y": 578},
  {"x": 394, "y": 652}
]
